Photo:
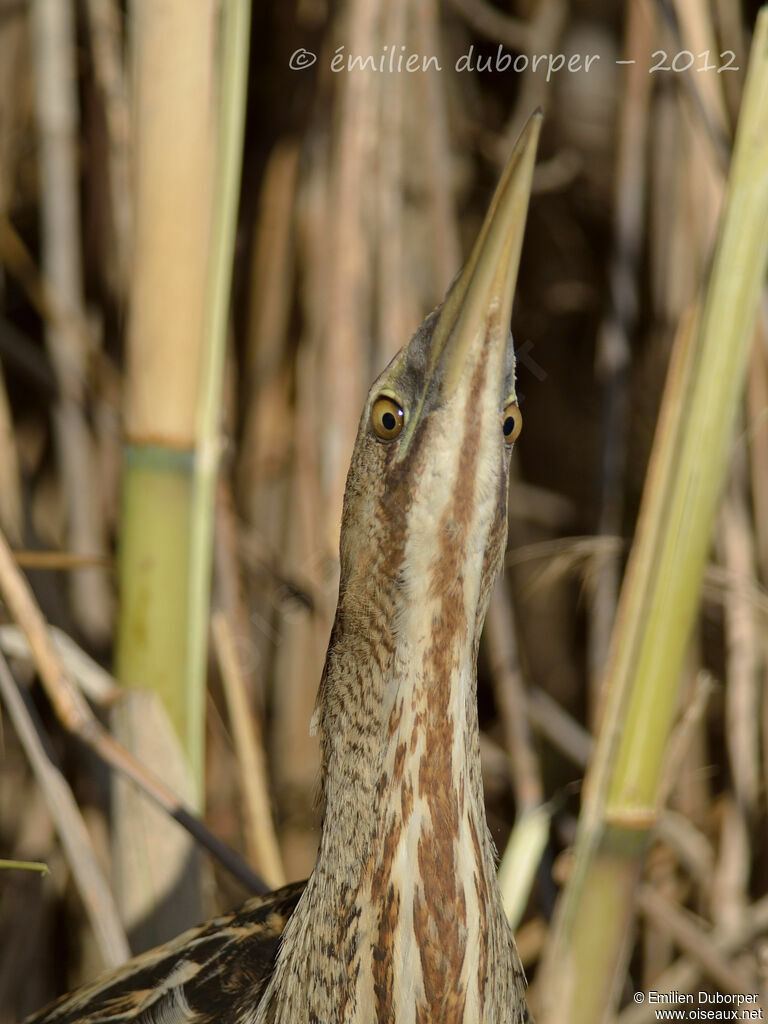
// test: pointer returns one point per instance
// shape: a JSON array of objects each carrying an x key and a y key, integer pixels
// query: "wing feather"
[{"x": 215, "y": 972}]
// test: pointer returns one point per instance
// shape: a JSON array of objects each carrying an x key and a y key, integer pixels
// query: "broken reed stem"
[
  {"x": 76, "y": 843},
  {"x": 76, "y": 717},
  {"x": 586, "y": 957}
]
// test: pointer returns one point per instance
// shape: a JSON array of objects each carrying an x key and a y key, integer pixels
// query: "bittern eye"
[
  {"x": 387, "y": 417},
  {"x": 511, "y": 423}
]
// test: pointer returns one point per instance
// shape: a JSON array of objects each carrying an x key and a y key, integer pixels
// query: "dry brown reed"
[{"x": 361, "y": 191}]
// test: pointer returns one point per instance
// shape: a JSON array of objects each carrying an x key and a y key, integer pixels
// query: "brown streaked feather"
[{"x": 213, "y": 972}]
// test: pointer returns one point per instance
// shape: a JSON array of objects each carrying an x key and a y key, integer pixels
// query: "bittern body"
[{"x": 401, "y": 920}]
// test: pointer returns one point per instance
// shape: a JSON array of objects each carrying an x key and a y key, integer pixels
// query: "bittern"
[{"x": 401, "y": 920}]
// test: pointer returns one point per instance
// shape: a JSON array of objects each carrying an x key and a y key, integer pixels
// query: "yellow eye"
[
  {"x": 511, "y": 423},
  {"x": 387, "y": 417}
]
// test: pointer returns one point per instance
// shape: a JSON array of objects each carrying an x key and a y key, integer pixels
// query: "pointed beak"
[
  {"x": 480, "y": 299},
  {"x": 479, "y": 302}
]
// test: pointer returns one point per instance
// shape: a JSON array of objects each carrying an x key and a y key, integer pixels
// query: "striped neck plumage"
[{"x": 402, "y": 921}]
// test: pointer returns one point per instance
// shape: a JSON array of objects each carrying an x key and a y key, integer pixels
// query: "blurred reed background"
[{"x": 124, "y": 384}]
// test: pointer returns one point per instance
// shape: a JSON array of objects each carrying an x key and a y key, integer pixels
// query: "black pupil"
[
  {"x": 388, "y": 421},
  {"x": 509, "y": 425}
]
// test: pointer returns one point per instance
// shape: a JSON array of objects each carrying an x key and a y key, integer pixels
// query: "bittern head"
[
  {"x": 430, "y": 464},
  {"x": 424, "y": 519}
]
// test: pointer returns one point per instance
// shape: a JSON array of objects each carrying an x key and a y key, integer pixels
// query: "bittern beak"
[{"x": 479, "y": 302}]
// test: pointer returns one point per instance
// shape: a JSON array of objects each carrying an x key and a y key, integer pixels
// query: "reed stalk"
[
  {"x": 53, "y": 34},
  {"x": 189, "y": 96},
  {"x": 173, "y": 75},
  {"x": 587, "y": 954},
  {"x": 232, "y": 91},
  {"x": 176, "y": 348}
]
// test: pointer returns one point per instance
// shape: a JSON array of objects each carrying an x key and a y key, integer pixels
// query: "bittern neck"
[{"x": 402, "y": 921}]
